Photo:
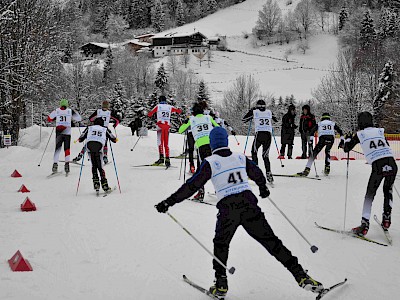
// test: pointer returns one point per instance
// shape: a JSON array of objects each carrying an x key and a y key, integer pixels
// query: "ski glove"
[
  {"x": 233, "y": 132},
  {"x": 341, "y": 144},
  {"x": 264, "y": 191},
  {"x": 163, "y": 206}
]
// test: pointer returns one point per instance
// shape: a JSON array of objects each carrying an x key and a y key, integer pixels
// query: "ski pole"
[
  {"x": 230, "y": 270},
  {"x": 357, "y": 152},
  {"x": 136, "y": 142},
  {"x": 347, "y": 186},
  {"x": 115, "y": 168},
  {"x": 46, "y": 146},
  {"x": 80, "y": 173},
  {"x": 185, "y": 164},
  {"x": 313, "y": 247},
  {"x": 277, "y": 149},
  {"x": 247, "y": 139},
  {"x": 315, "y": 165},
  {"x": 183, "y": 149},
  {"x": 236, "y": 140}
]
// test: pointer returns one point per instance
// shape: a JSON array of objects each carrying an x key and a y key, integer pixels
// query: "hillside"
[{"x": 118, "y": 247}]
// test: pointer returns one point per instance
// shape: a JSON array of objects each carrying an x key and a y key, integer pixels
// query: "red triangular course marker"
[
  {"x": 16, "y": 174},
  {"x": 19, "y": 264},
  {"x": 28, "y": 205},
  {"x": 23, "y": 189},
  {"x": 281, "y": 157}
]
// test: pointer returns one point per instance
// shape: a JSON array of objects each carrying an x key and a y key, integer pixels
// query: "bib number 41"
[{"x": 235, "y": 178}]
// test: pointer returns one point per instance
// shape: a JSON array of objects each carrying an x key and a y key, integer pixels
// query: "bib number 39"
[
  {"x": 235, "y": 178},
  {"x": 203, "y": 127}
]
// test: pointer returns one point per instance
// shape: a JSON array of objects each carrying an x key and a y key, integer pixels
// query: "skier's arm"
[
  {"x": 350, "y": 141},
  {"x": 184, "y": 127},
  {"x": 248, "y": 117},
  {"x": 215, "y": 124},
  {"x": 83, "y": 135},
  {"x": 255, "y": 174},
  {"x": 339, "y": 130},
  {"x": 192, "y": 185},
  {"x": 112, "y": 137},
  {"x": 93, "y": 116},
  {"x": 313, "y": 130},
  {"x": 229, "y": 127},
  {"x": 274, "y": 118},
  {"x": 76, "y": 116},
  {"x": 52, "y": 116},
  {"x": 176, "y": 110},
  {"x": 116, "y": 121},
  {"x": 152, "y": 112}
]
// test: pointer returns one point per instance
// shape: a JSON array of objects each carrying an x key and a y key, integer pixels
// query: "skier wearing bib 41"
[
  {"x": 379, "y": 155},
  {"x": 105, "y": 114},
  {"x": 97, "y": 136},
  {"x": 237, "y": 206},
  {"x": 63, "y": 117},
  {"x": 263, "y": 126},
  {"x": 200, "y": 126},
  {"x": 164, "y": 112},
  {"x": 326, "y": 137}
]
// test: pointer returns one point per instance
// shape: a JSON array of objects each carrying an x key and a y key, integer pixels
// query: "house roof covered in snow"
[
  {"x": 137, "y": 42},
  {"x": 177, "y": 34}
]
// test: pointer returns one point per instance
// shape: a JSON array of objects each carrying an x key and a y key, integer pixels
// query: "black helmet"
[
  {"x": 99, "y": 121},
  {"x": 162, "y": 99},
  {"x": 306, "y": 107},
  {"x": 326, "y": 116},
  {"x": 364, "y": 120},
  {"x": 197, "y": 109},
  {"x": 261, "y": 105}
]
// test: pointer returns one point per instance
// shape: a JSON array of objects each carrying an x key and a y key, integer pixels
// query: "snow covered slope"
[{"x": 119, "y": 247}]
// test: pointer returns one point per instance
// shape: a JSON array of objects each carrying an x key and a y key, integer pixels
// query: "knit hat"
[
  {"x": 63, "y": 103},
  {"x": 99, "y": 121},
  {"x": 197, "y": 109},
  {"x": 365, "y": 120},
  {"x": 218, "y": 138},
  {"x": 105, "y": 104},
  {"x": 326, "y": 116},
  {"x": 162, "y": 99}
]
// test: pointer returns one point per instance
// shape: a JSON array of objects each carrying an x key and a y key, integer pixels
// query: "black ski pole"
[
  {"x": 347, "y": 187},
  {"x": 115, "y": 168},
  {"x": 277, "y": 149},
  {"x": 136, "y": 142},
  {"x": 185, "y": 164},
  {"x": 46, "y": 146},
  {"x": 80, "y": 173}
]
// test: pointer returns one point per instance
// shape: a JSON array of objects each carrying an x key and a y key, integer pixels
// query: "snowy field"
[
  {"x": 275, "y": 75},
  {"x": 119, "y": 247}
]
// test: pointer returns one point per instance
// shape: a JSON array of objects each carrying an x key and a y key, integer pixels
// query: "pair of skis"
[
  {"x": 153, "y": 165},
  {"x": 106, "y": 193},
  {"x": 350, "y": 233},
  {"x": 54, "y": 174},
  {"x": 296, "y": 176},
  {"x": 209, "y": 294}
]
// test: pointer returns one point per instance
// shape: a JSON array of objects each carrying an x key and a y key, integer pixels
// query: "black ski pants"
[
  {"x": 305, "y": 138},
  {"x": 203, "y": 152},
  {"x": 60, "y": 140},
  {"x": 96, "y": 157},
  {"x": 262, "y": 138},
  {"x": 242, "y": 210},
  {"x": 327, "y": 142},
  {"x": 190, "y": 146},
  {"x": 289, "y": 152},
  {"x": 383, "y": 169}
]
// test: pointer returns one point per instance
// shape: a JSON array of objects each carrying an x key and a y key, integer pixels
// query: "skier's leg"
[
  {"x": 160, "y": 141},
  {"x": 388, "y": 189},
  {"x": 254, "y": 149},
  {"x": 373, "y": 184},
  {"x": 328, "y": 148},
  {"x": 283, "y": 150},
  {"x": 290, "y": 150},
  {"x": 266, "y": 145},
  {"x": 190, "y": 143},
  {"x": 67, "y": 147},
  {"x": 316, "y": 151},
  {"x": 304, "y": 145},
  {"x": 59, "y": 142},
  {"x": 165, "y": 133},
  {"x": 310, "y": 145}
]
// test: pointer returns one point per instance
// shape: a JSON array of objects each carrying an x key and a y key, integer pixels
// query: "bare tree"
[
  {"x": 304, "y": 15},
  {"x": 172, "y": 63},
  {"x": 185, "y": 58},
  {"x": 269, "y": 17},
  {"x": 303, "y": 46},
  {"x": 209, "y": 56}
]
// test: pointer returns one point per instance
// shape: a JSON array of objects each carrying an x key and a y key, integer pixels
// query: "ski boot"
[
  {"x": 105, "y": 159},
  {"x": 160, "y": 161},
  {"x": 104, "y": 185},
  {"x": 192, "y": 168},
  {"x": 220, "y": 286},
  {"x": 55, "y": 168},
  {"x": 200, "y": 195},
  {"x": 361, "y": 230},
  {"x": 309, "y": 284},
  {"x": 289, "y": 157},
  {"x": 386, "y": 220},
  {"x": 78, "y": 158},
  {"x": 327, "y": 170},
  {"x": 270, "y": 178},
  {"x": 305, "y": 172},
  {"x": 167, "y": 162},
  {"x": 66, "y": 167},
  {"x": 96, "y": 184}
]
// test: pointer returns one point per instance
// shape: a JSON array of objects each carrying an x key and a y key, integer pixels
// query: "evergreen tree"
[
  {"x": 203, "y": 8},
  {"x": 161, "y": 79},
  {"x": 137, "y": 17},
  {"x": 343, "y": 17},
  {"x": 108, "y": 61},
  {"x": 367, "y": 32},
  {"x": 202, "y": 93},
  {"x": 118, "y": 103},
  {"x": 387, "y": 95},
  {"x": 392, "y": 24},
  {"x": 100, "y": 18},
  {"x": 158, "y": 16},
  {"x": 212, "y": 6},
  {"x": 180, "y": 14}
]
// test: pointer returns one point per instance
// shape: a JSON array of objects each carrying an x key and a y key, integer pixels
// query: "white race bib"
[
  {"x": 164, "y": 113},
  {"x": 200, "y": 126},
  {"x": 97, "y": 133},
  {"x": 262, "y": 120},
  {"x": 63, "y": 117},
  {"x": 105, "y": 115},
  {"x": 326, "y": 127},
  {"x": 373, "y": 144},
  {"x": 229, "y": 174}
]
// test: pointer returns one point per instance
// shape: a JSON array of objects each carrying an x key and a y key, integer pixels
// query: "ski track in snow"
[{"x": 119, "y": 247}]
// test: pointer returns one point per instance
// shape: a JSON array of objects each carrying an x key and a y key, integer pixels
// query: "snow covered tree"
[
  {"x": 367, "y": 32},
  {"x": 202, "y": 94},
  {"x": 158, "y": 16},
  {"x": 161, "y": 79},
  {"x": 100, "y": 18},
  {"x": 137, "y": 14},
  {"x": 304, "y": 15},
  {"x": 116, "y": 26},
  {"x": 180, "y": 14},
  {"x": 343, "y": 17},
  {"x": 203, "y": 9},
  {"x": 118, "y": 103},
  {"x": 269, "y": 17},
  {"x": 108, "y": 61},
  {"x": 212, "y": 6},
  {"x": 386, "y": 104}
]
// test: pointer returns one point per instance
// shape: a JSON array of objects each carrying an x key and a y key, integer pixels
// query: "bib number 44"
[{"x": 377, "y": 144}]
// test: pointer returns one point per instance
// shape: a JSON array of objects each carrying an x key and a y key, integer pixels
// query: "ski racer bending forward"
[
  {"x": 379, "y": 155},
  {"x": 97, "y": 136},
  {"x": 237, "y": 206}
]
